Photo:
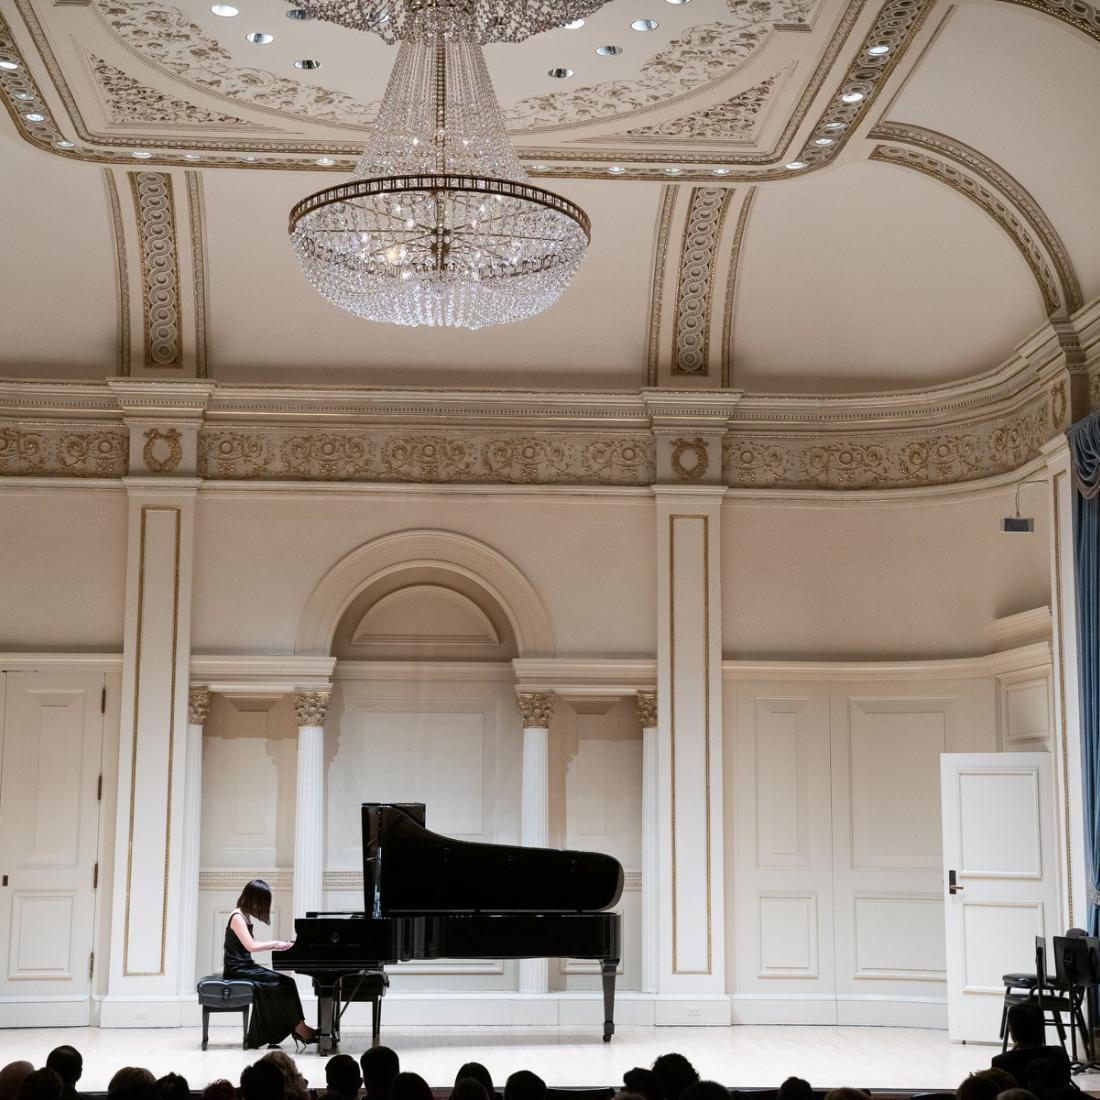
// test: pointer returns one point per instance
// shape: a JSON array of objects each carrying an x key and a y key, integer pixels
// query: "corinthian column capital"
[
  {"x": 311, "y": 707},
  {"x": 536, "y": 708},
  {"x": 198, "y": 706},
  {"x": 647, "y": 709}
]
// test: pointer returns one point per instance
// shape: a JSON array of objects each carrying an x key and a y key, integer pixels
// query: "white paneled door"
[
  {"x": 1000, "y": 879},
  {"x": 49, "y": 830}
]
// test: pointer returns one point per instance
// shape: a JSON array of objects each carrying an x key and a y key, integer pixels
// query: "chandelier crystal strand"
[{"x": 439, "y": 224}]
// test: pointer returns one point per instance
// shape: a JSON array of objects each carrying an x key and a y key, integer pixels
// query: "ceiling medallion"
[{"x": 439, "y": 224}]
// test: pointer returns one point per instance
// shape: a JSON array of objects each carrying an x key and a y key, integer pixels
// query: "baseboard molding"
[
  {"x": 848, "y": 1010},
  {"x": 141, "y": 1011},
  {"x": 40, "y": 1012}
]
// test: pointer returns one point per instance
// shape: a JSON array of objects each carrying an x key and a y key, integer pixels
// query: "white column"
[
  {"x": 309, "y": 820},
  {"x": 689, "y": 755},
  {"x": 534, "y": 822},
  {"x": 198, "y": 709},
  {"x": 151, "y": 824},
  {"x": 651, "y": 895},
  {"x": 1067, "y": 706}
]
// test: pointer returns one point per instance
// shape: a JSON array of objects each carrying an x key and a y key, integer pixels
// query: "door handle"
[
  {"x": 5, "y": 881},
  {"x": 953, "y": 886}
]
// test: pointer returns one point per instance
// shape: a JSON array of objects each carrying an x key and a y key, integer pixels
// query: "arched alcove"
[{"x": 453, "y": 561}]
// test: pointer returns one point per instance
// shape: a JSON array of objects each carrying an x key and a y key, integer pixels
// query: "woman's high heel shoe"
[{"x": 301, "y": 1041}]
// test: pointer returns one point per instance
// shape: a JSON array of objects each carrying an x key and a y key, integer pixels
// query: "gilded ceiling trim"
[
  {"x": 656, "y": 298},
  {"x": 694, "y": 291},
  {"x": 974, "y": 188},
  {"x": 731, "y": 285},
  {"x": 122, "y": 271},
  {"x": 155, "y": 210},
  {"x": 196, "y": 217},
  {"x": 1081, "y": 16},
  {"x": 999, "y": 180}
]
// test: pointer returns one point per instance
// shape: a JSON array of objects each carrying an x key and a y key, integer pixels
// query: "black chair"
[
  {"x": 1077, "y": 965},
  {"x": 1036, "y": 988},
  {"x": 218, "y": 994}
]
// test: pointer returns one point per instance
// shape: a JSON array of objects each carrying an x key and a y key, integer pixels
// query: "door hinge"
[
  {"x": 99, "y": 788},
  {"x": 95, "y": 876},
  {"x": 91, "y": 965},
  {"x": 103, "y": 700}
]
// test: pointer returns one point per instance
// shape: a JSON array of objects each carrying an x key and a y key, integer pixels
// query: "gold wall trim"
[
  {"x": 196, "y": 214},
  {"x": 1001, "y": 181},
  {"x": 706, "y": 730},
  {"x": 122, "y": 271},
  {"x": 126, "y": 971},
  {"x": 1063, "y": 726},
  {"x": 660, "y": 259},
  {"x": 731, "y": 285}
]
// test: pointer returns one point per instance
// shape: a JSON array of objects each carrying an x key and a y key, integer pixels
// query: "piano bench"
[{"x": 218, "y": 994}]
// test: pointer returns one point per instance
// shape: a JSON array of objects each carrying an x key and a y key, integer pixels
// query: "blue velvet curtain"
[{"x": 1084, "y": 443}]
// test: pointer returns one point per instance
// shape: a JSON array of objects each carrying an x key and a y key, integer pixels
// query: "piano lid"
[{"x": 409, "y": 869}]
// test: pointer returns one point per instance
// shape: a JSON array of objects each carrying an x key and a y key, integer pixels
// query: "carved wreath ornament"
[
  {"x": 163, "y": 451},
  {"x": 698, "y": 459}
]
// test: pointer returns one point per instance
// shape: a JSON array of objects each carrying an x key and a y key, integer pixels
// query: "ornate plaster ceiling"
[{"x": 943, "y": 213}]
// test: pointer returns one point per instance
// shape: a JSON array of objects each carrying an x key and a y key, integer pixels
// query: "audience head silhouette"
[
  {"x": 410, "y": 1086},
  {"x": 1025, "y": 1026},
  {"x": 469, "y": 1088},
  {"x": 705, "y": 1090},
  {"x": 262, "y": 1081},
  {"x": 67, "y": 1063},
  {"x": 11, "y": 1077},
  {"x": 342, "y": 1075},
  {"x": 676, "y": 1073},
  {"x": 795, "y": 1088},
  {"x": 478, "y": 1072},
  {"x": 644, "y": 1082},
  {"x": 173, "y": 1087},
  {"x": 130, "y": 1077},
  {"x": 219, "y": 1090},
  {"x": 380, "y": 1066},
  {"x": 43, "y": 1084},
  {"x": 847, "y": 1094},
  {"x": 524, "y": 1085}
]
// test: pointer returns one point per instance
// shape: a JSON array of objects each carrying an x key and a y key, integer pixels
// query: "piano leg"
[
  {"x": 608, "y": 967},
  {"x": 327, "y": 1039},
  {"x": 375, "y": 1019}
]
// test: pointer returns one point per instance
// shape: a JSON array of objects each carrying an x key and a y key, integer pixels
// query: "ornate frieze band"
[
  {"x": 694, "y": 291},
  {"x": 1028, "y": 228},
  {"x": 438, "y": 457},
  {"x": 49, "y": 451},
  {"x": 155, "y": 210}
]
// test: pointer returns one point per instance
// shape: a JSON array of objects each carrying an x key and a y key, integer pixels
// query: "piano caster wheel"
[{"x": 607, "y": 1038}]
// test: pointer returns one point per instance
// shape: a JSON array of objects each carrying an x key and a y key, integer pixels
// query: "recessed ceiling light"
[
  {"x": 34, "y": 116},
  {"x": 609, "y": 51},
  {"x": 616, "y": 169},
  {"x": 540, "y": 167},
  {"x": 11, "y": 66},
  {"x": 644, "y": 25},
  {"x": 249, "y": 158},
  {"x": 878, "y": 50},
  {"x": 324, "y": 162},
  {"x": 721, "y": 171},
  {"x": 674, "y": 171},
  {"x": 141, "y": 154},
  {"x": 307, "y": 63},
  {"x": 260, "y": 38},
  {"x": 834, "y": 125},
  {"x": 24, "y": 96},
  {"x": 227, "y": 11},
  {"x": 191, "y": 156},
  {"x": 677, "y": 1},
  {"x": 63, "y": 144},
  {"x": 851, "y": 97},
  {"x": 824, "y": 141},
  {"x": 794, "y": 165},
  {"x": 573, "y": 24},
  {"x": 560, "y": 74},
  {"x": 298, "y": 14}
]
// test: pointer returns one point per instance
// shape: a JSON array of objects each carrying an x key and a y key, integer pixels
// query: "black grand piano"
[{"x": 427, "y": 896}]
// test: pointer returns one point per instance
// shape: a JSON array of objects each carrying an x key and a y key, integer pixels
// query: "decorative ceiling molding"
[
  {"x": 165, "y": 37},
  {"x": 122, "y": 271},
  {"x": 694, "y": 291},
  {"x": 131, "y": 103},
  {"x": 196, "y": 219},
  {"x": 973, "y": 187},
  {"x": 731, "y": 120},
  {"x": 701, "y": 57},
  {"x": 63, "y": 450},
  {"x": 1078, "y": 14},
  {"x": 667, "y": 206},
  {"x": 731, "y": 284},
  {"x": 155, "y": 211},
  {"x": 998, "y": 179}
]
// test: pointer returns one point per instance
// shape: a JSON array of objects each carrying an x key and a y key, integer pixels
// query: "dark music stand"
[{"x": 1077, "y": 966}]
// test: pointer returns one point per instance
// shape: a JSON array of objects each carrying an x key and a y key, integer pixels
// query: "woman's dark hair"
[
  {"x": 1025, "y": 1025},
  {"x": 255, "y": 901},
  {"x": 478, "y": 1072}
]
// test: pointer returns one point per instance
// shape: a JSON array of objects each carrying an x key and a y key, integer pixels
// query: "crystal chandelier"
[{"x": 439, "y": 224}]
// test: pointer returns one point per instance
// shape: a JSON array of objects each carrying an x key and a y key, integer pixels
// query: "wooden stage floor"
[{"x": 866, "y": 1057}]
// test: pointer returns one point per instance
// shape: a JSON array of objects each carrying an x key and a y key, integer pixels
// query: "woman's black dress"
[{"x": 276, "y": 1006}]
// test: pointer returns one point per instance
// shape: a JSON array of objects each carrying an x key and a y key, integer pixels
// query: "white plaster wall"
[
  {"x": 866, "y": 581},
  {"x": 259, "y": 556},
  {"x": 63, "y": 564}
]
